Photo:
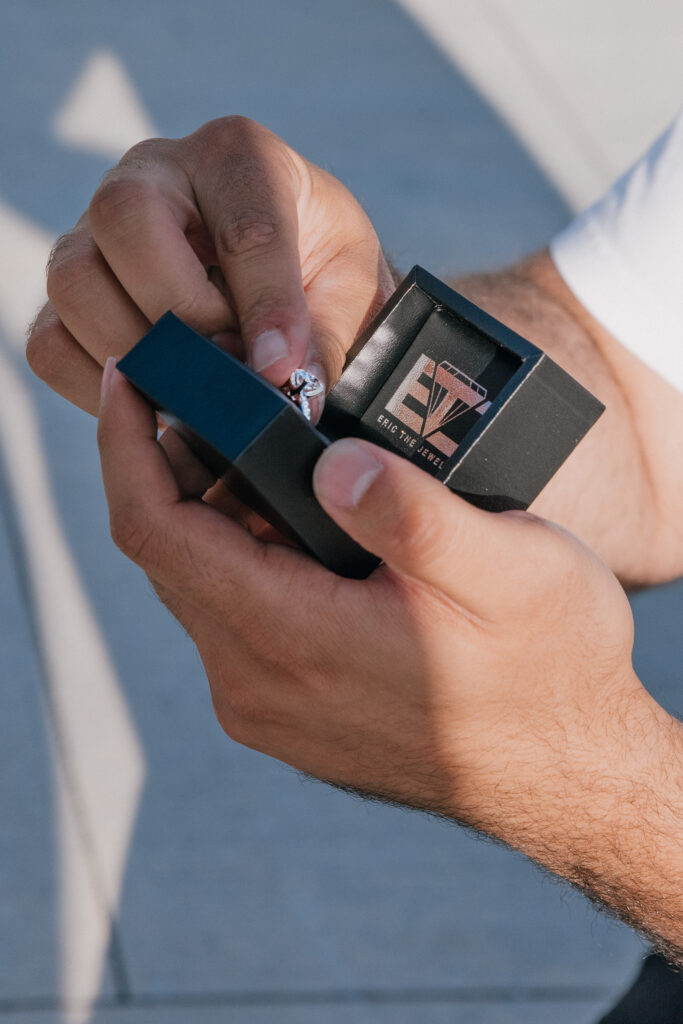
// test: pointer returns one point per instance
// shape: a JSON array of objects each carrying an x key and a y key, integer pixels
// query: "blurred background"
[{"x": 150, "y": 869}]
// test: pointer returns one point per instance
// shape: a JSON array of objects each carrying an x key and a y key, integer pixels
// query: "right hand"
[{"x": 239, "y": 235}]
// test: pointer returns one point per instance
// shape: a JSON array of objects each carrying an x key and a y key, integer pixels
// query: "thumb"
[{"x": 415, "y": 524}]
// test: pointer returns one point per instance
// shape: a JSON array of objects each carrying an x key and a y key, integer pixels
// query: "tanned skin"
[{"x": 484, "y": 671}]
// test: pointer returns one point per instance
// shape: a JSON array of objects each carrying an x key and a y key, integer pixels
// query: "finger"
[
  {"x": 196, "y": 481},
  {"x": 89, "y": 300},
  {"x": 420, "y": 528},
  {"x": 193, "y": 478},
  {"x": 186, "y": 546},
  {"x": 225, "y": 502},
  {"x": 141, "y": 218},
  {"x": 55, "y": 356},
  {"x": 341, "y": 301},
  {"x": 246, "y": 185}
]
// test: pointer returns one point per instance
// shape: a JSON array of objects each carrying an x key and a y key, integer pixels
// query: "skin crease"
[{"x": 484, "y": 672}]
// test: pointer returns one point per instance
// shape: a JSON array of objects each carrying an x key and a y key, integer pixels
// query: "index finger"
[{"x": 187, "y": 546}]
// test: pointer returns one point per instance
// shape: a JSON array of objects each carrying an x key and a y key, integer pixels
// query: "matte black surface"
[
  {"x": 244, "y": 430},
  {"x": 278, "y": 468},
  {"x": 473, "y": 403},
  {"x": 197, "y": 383},
  {"x": 434, "y": 378},
  {"x": 449, "y": 341}
]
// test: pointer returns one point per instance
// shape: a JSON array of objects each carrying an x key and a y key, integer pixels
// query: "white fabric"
[{"x": 623, "y": 258}]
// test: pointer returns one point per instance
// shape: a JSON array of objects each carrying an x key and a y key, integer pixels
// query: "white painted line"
[
  {"x": 23, "y": 256},
  {"x": 99, "y": 764}
]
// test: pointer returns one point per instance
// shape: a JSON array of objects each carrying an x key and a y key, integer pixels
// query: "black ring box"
[{"x": 433, "y": 378}]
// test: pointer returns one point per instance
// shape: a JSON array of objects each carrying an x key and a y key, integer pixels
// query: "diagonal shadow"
[{"x": 356, "y": 87}]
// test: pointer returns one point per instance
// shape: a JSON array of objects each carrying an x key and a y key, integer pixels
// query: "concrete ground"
[{"x": 150, "y": 870}]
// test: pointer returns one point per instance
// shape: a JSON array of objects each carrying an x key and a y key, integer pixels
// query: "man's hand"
[
  {"x": 250, "y": 243},
  {"x": 482, "y": 673},
  {"x": 233, "y": 231}
]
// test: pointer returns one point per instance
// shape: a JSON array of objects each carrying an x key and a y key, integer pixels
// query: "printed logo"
[{"x": 431, "y": 396}]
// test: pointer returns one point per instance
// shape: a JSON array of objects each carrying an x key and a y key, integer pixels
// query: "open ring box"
[{"x": 433, "y": 378}]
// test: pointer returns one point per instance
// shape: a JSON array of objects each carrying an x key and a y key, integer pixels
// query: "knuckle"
[
  {"x": 237, "y": 730},
  {"x": 264, "y": 306},
  {"x": 145, "y": 152},
  {"x": 132, "y": 532},
  {"x": 240, "y": 124},
  {"x": 559, "y": 567},
  {"x": 188, "y": 306},
  {"x": 238, "y": 712},
  {"x": 47, "y": 350},
  {"x": 418, "y": 534},
  {"x": 233, "y": 127},
  {"x": 61, "y": 247},
  {"x": 118, "y": 200},
  {"x": 70, "y": 272},
  {"x": 246, "y": 709},
  {"x": 559, "y": 547},
  {"x": 247, "y": 231},
  {"x": 230, "y": 727}
]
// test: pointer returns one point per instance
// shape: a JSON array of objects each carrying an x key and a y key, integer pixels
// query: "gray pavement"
[{"x": 150, "y": 870}]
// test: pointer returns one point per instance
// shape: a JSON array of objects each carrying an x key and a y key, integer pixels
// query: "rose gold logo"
[{"x": 431, "y": 396}]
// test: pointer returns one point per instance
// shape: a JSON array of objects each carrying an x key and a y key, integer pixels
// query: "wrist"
[{"x": 542, "y": 774}]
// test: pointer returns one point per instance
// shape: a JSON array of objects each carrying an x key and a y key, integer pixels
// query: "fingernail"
[
  {"x": 267, "y": 349},
  {"x": 344, "y": 473}
]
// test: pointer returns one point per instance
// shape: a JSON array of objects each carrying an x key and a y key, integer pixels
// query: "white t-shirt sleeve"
[{"x": 623, "y": 258}]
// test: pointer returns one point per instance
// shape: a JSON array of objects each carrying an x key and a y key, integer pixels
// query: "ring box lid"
[
  {"x": 449, "y": 387},
  {"x": 245, "y": 431}
]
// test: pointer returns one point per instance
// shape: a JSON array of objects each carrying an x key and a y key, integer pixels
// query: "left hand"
[{"x": 489, "y": 653}]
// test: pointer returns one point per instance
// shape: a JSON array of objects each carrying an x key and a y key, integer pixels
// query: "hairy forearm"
[
  {"x": 621, "y": 491},
  {"x": 604, "y": 812}
]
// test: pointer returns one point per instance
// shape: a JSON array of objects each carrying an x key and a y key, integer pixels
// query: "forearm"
[
  {"x": 605, "y": 812},
  {"x": 621, "y": 491}
]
